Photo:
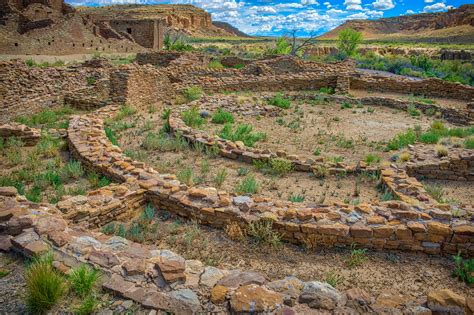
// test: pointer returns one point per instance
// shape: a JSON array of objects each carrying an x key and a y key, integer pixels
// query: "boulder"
[
  {"x": 446, "y": 301},
  {"x": 321, "y": 296},
  {"x": 211, "y": 276},
  {"x": 251, "y": 299},
  {"x": 241, "y": 278}
]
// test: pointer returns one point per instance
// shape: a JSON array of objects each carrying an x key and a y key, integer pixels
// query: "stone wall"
[
  {"x": 29, "y": 136},
  {"x": 25, "y": 90},
  {"x": 172, "y": 58},
  {"x": 416, "y": 223},
  {"x": 431, "y": 87},
  {"x": 90, "y": 97},
  {"x": 457, "y": 165},
  {"x": 140, "y": 86}
]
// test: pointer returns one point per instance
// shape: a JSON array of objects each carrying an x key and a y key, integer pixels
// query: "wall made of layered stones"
[
  {"x": 140, "y": 86},
  {"x": 25, "y": 90},
  {"x": 415, "y": 223},
  {"x": 431, "y": 87}
]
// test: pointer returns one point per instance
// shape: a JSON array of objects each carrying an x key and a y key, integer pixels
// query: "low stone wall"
[
  {"x": 90, "y": 97},
  {"x": 457, "y": 165},
  {"x": 431, "y": 87},
  {"x": 161, "y": 280},
  {"x": 25, "y": 91},
  {"x": 140, "y": 86},
  {"x": 452, "y": 115},
  {"x": 173, "y": 58},
  {"x": 414, "y": 226},
  {"x": 29, "y": 136}
]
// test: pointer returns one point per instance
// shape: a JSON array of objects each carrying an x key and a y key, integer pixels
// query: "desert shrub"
[
  {"x": 296, "y": 198},
  {"x": 125, "y": 111},
  {"x": 464, "y": 269},
  {"x": 135, "y": 232},
  {"x": 346, "y": 105},
  {"x": 371, "y": 158},
  {"x": 109, "y": 228},
  {"x": 192, "y": 118},
  {"x": 404, "y": 156},
  {"x": 73, "y": 169},
  {"x": 413, "y": 111},
  {"x": 357, "y": 257},
  {"x": 279, "y": 100},
  {"x": 386, "y": 195},
  {"x": 44, "y": 285},
  {"x": 263, "y": 234},
  {"x": 242, "y": 171},
  {"x": 282, "y": 47},
  {"x": 34, "y": 194},
  {"x": 186, "y": 175},
  {"x": 402, "y": 140},
  {"x": 281, "y": 166},
  {"x": 87, "y": 306},
  {"x": 164, "y": 142},
  {"x": 193, "y": 93},
  {"x": 91, "y": 80},
  {"x": 326, "y": 90},
  {"x": 222, "y": 117},
  {"x": 435, "y": 191},
  {"x": 348, "y": 41},
  {"x": 248, "y": 186},
  {"x": 441, "y": 151},
  {"x": 148, "y": 213},
  {"x": 176, "y": 42},
  {"x": 220, "y": 177},
  {"x": 110, "y": 133},
  {"x": 165, "y": 116},
  {"x": 429, "y": 137},
  {"x": 49, "y": 118},
  {"x": 320, "y": 171},
  {"x": 215, "y": 64},
  {"x": 333, "y": 278},
  {"x": 469, "y": 143},
  {"x": 83, "y": 279},
  {"x": 242, "y": 133}
]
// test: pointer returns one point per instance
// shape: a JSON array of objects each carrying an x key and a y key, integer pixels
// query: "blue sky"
[{"x": 276, "y": 17}]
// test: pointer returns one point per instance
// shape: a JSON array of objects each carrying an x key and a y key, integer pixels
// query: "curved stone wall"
[{"x": 415, "y": 223}]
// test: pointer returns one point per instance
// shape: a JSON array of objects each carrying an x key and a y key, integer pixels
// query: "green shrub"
[
  {"x": 464, "y": 269},
  {"x": 429, "y": 137},
  {"x": 83, "y": 279},
  {"x": 109, "y": 228},
  {"x": 280, "y": 101},
  {"x": 193, "y": 93},
  {"x": 215, "y": 64},
  {"x": 148, "y": 214},
  {"x": 346, "y": 105},
  {"x": 357, "y": 257},
  {"x": 164, "y": 142},
  {"x": 281, "y": 166},
  {"x": 88, "y": 306},
  {"x": 262, "y": 232},
  {"x": 186, "y": 176},
  {"x": 248, "y": 185},
  {"x": 91, "y": 80},
  {"x": 73, "y": 169},
  {"x": 110, "y": 133},
  {"x": 387, "y": 195},
  {"x": 242, "y": 171},
  {"x": 44, "y": 286},
  {"x": 222, "y": 117},
  {"x": 333, "y": 278},
  {"x": 125, "y": 111},
  {"x": 348, "y": 41},
  {"x": 296, "y": 198},
  {"x": 34, "y": 194},
  {"x": 49, "y": 118},
  {"x": 413, "y": 111},
  {"x": 371, "y": 158},
  {"x": 220, "y": 177},
  {"x": 402, "y": 140},
  {"x": 192, "y": 118},
  {"x": 435, "y": 191},
  {"x": 469, "y": 143},
  {"x": 242, "y": 133}
]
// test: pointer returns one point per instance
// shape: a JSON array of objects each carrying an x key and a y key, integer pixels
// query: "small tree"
[
  {"x": 290, "y": 44},
  {"x": 348, "y": 41}
]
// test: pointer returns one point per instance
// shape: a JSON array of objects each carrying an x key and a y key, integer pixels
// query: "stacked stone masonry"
[
  {"x": 28, "y": 136},
  {"x": 415, "y": 223}
]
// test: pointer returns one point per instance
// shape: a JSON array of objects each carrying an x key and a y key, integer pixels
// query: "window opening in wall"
[
  {"x": 129, "y": 30},
  {"x": 16, "y": 44},
  {"x": 49, "y": 43}
]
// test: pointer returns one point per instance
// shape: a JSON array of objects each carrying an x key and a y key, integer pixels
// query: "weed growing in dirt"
[
  {"x": 469, "y": 143},
  {"x": 263, "y": 234},
  {"x": 441, "y": 151},
  {"x": 346, "y": 105},
  {"x": 222, "y": 117},
  {"x": 464, "y": 269},
  {"x": 186, "y": 176},
  {"x": 193, "y": 93},
  {"x": 110, "y": 133},
  {"x": 387, "y": 196},
  {"x": 296, "y": 198},
  {"x": 242, "y": 171},
  {"x": 215, "y": 64},
  {"x": 109, "y": 228},
  {"x": 242, "y": 133},
  {"x": 220, "y": 177},
  {"x": 125, "y": 111},
  {"x": 4, "y": 273},
  {"x": 73, "y": 169},
  {"x": 357, "y": 257},
  {"x": 333, "y": 278},
  {"x": 402, "y": 140},
  {"x": 87, "y": 306},
  {"x": 435, "y": 191},
  {"x": 371, "y": 159},
  {"x": 164, "y": 143},
  {"x": 248, "y": 186},
  {"x": 280, "y": 101},
  {"x": 192, "y": 118},
  {"x": 44, "y": 285},
  {"x": 326, "y": 90},
  {"x": 83, "y": 279},
  {"x": 281, "y": 166}
]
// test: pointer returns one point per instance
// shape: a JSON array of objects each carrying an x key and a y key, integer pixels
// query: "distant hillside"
[
  {"x": 230, "y": 29},
  {"x": 454, "y": 26}
]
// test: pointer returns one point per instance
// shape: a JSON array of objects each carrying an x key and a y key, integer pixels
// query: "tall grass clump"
[
  {"x": 193, "y": 93},
  {"x": 402, "y": 140},
  {"x": 83, "y": 280},
  {"x": 248, "y": 186},
  {"x": 242, "y": 133},
  {"x": 192, "y": 118},
  {"x": 110, "y": 133},
  {"x": 280, "y": 101},
  {"x": 44, "y": 285},
  {"x": 222, "y": 117}
]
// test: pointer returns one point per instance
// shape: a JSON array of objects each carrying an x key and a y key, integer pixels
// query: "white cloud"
[
  {"x": 353, "y": 5},
  {"x": 335, "y": 12},
  {"x": 309, "y": 2},
  {"x": 437, "y": 7},
  {"x": 383, "y": 4},
  {"x": 328, "y": 5},
  {"x": 408, "y": 12},
  {"x": 429, "y": 1}
]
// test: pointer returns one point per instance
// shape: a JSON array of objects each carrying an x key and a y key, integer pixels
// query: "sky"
[{"x": 278, "y": 17}]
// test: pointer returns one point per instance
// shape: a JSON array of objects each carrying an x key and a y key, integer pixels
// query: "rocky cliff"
[
  {"x": 187, "y": 18},
  {"x": 456, "y": 25}
]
